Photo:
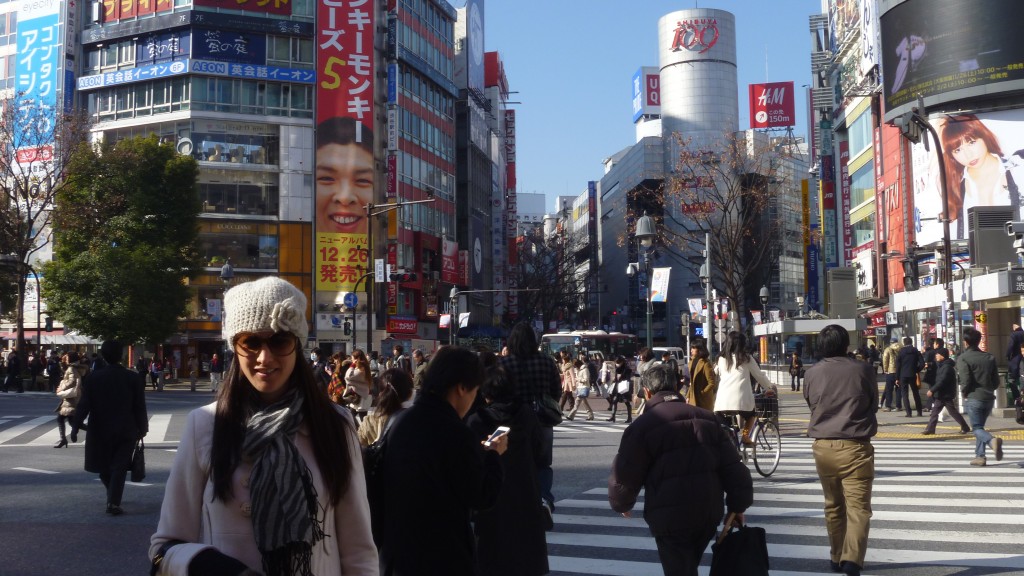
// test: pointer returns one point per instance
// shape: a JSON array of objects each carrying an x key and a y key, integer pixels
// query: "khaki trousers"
[{"x": 846, "y": 469}]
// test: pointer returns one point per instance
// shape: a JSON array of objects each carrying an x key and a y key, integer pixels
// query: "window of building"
[
  {"x": 862, "y": 185},
  {"x": 239, "y": 192},
  {"x": 860, "y": 134},
  {"x": 247, "y": 244}
]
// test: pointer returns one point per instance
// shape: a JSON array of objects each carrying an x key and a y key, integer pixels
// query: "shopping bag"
[
  {"x": 739, "y": 551},
  {"x": 138, "y": 471}
]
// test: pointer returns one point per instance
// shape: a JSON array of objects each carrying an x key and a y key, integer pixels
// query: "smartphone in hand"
[{"x": 499, "y": 431}]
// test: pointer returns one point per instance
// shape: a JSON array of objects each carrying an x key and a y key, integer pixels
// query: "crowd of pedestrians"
[{"x": 270, "y": 478}]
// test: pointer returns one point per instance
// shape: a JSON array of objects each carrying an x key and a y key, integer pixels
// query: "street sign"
[
  {"x": 378, "y": 271},
  {"x": 350, "y": 300}
]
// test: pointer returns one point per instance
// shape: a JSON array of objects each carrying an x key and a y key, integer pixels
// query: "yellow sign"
[{"x": 340, "y": 261}]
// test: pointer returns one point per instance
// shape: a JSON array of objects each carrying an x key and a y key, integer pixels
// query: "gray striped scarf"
[{"x": 285, "y": 511}]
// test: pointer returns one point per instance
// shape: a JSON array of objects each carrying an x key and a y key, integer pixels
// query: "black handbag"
[
  {"x": 548, "y": 412},
  {"x": 138, "y": 470},
  {"x": 739, "y": 551}
]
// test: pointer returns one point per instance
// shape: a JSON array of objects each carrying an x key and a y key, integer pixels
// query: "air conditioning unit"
[{"x": 987, "y": 240}]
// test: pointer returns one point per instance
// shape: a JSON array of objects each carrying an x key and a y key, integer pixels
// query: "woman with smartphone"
[{"x": 515, "y": 517}]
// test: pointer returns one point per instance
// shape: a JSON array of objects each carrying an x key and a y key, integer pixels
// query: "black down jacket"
[{"x": 685, "y": 462}]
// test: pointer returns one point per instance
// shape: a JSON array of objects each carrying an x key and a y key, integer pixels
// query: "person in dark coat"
[
  {"x": 908, "y": 363},
  {"x": 943, "y": 391},
  {"x": 686, "y": 463},
  {"x": 930, "y": 364},
  {"x": 1013, "y": 355},
  {"x": 113, "y": 399},
  {"x": 435, "y": 472},
  {"x": 13, "y": 377},
  {"x": 516, "y": 516}
]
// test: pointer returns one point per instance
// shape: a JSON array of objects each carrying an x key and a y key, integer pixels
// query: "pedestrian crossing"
[
  {"x": 933, "y": 513},
  {"x": 17, "y": 430}
]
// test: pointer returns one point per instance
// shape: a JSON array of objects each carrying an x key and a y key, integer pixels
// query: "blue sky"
[{"x": 571, "y": 63}]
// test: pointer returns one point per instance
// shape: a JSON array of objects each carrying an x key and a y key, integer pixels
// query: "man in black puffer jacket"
[{"x": 685, "y": 461}]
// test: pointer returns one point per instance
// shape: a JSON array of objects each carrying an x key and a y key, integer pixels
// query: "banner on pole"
[{"x": 659, "y": 284}]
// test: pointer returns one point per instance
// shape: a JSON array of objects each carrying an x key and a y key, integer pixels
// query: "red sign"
[
  {"x": 399, "y": 325},
  {"x": 772, "y": 105},
  {"x": 698, "y": 35},
  {"x": 844, "y": 197},
  {"x": 36, "y": 154},
  {"x": 449, "y": 261},
  {"x": 652, "y": 88},
  {"x": 392, "y": 175}
]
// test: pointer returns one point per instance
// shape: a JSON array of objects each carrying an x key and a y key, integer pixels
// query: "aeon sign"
[{"x": 697, "y": 35}]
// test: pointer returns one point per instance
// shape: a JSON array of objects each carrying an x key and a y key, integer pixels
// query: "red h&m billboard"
[
  {"x": 772, "y": 105},
  {"x": 345, "y": 167},
  {"x": 450, "y": 261}
]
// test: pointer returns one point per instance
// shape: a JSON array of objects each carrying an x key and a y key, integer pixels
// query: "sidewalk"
[{"x": 894, "y": 425}]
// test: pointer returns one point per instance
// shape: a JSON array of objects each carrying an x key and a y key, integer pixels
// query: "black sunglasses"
[{"x": 280, "y": 343}]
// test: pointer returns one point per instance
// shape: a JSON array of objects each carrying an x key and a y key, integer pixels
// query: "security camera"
[{"x": 1015, "y": 228}]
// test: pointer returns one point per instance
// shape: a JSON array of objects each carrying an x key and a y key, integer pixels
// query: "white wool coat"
[
  {"x": 190, "y": 513},
  {"x": 734, "y": 391}
]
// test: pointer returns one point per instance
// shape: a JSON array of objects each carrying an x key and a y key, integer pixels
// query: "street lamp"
[{"x": 646, "y": 232}]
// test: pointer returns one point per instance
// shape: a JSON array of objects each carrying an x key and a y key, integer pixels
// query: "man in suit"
[
  {"x": 114, "y": 401},
  {"x": 930, "y": 363},
  {"x": 1014, "y": 357},
  {"x": 908, "y": 363}
]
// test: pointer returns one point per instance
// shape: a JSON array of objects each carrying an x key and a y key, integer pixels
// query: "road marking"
[
  {"x": 15, "y": 431},
  {"x": 23, "y": 469},
  {"x": 158, "y": 426}
]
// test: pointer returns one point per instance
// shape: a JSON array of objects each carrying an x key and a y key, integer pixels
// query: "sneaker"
[
  {"x": 547, "y": 518},
  {"x": 997, "y": 445},
  {"x": 979, "y": 461}
]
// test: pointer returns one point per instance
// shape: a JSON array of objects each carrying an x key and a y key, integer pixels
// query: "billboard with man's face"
[{"x": 344, "y": 175}]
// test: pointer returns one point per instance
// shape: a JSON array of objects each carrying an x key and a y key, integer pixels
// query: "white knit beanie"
[{"x": 265, "y": 304}]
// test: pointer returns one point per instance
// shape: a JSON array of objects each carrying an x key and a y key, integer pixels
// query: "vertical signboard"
[
  {"x": 344, "y": 141},
  {"x": 450, "y": 261},
  {"x": 36, "y": 77},
  {"x": 646, "y": 92},
  {"x": 844, "y": 191},
  {"x": 511, "y": 211},
  {"x": 830, "y": 243}
]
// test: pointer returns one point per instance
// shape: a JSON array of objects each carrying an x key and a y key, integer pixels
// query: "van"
[{"x": 677, "y": 353}]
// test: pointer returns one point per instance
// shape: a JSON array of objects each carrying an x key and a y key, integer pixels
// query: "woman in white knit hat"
[{"x": 269, "y": 478}]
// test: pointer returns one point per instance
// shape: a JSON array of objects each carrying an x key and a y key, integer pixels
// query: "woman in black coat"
[
  {"x": 435, "y": 472},
  {"x": 622, "y": 373},
  {"x": 510, "y": 536}
]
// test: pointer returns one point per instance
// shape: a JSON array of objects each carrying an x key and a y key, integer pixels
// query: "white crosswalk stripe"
[
  {"x": 932, "y": 511},
  {"x": 18, "y": 430}
]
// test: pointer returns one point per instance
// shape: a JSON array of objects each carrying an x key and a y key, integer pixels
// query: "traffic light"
[
  {"x": 347, "y": 328},
  {"x": 49, "y": 324},
  {"x": 402, "y": 277},
  {"x": 908, "y": 126},
  {"x": 910, "y": 275}
]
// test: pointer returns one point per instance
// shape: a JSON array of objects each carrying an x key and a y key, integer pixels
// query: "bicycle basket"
[{"x": 767, "y": 406}]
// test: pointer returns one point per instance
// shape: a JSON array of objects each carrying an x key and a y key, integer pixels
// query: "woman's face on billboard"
[{"x": 971, "y": 152}]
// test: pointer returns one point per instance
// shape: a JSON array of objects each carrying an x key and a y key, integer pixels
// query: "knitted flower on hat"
[{"x": 267, "y": 304}]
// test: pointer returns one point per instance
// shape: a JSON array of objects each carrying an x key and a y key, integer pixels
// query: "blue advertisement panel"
[
  {"x": 157, "y": 48},
  {"x": 208, "y": 67},
  {"x": 37, "y": 64},
  {"x": 225, "y": 46}
]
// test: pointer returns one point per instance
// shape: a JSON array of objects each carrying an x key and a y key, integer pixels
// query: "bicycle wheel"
[{"x": 767, "y": 448}]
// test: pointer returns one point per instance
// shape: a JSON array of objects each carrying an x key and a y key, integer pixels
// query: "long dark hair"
[
  {"x": 522, "y": 342},
  {"x": 395, "y": 388},
  {"x": 735, "y": 349},
  {"x": 701, "y": 346},
  {"x": 238, "y": 401}
]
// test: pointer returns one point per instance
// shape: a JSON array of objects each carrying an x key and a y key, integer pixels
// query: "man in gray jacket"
[
  {"x": 979, "y": 380},
  {"x": 843, "y": 397}
]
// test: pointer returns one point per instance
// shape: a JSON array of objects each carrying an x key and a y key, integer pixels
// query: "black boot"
[{"x": 62, "y": 443}]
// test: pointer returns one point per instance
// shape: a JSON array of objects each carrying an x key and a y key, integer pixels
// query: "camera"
[{"x": 1015, "y": 228}]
